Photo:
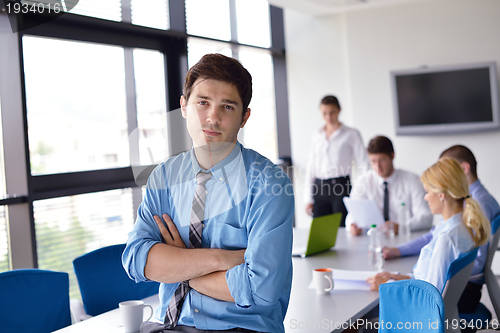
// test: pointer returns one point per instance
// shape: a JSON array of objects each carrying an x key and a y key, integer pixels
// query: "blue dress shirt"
[
  {"x": 249, "y": 205},
  {"x": 450, "y": 239},
  {"x": 490, "y": 209}
]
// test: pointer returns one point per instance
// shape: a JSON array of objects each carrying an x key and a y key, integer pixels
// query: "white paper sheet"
[
  {"x": 349, "y": 280},
  {"x": 345, "y": 274},
  {"x": 364, "y": 212}
]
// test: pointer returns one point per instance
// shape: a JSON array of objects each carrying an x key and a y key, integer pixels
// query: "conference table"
[{"x": 307, "y": 311}]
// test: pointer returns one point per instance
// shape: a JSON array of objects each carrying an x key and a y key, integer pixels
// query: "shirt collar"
[
  {"x": 334, "y": 134},
  {"x": 222, "y": 169},
  {"x": 389, "y": 179},
  {"x": 448, "y": 224},
  {"x": 474, "y": 188}
]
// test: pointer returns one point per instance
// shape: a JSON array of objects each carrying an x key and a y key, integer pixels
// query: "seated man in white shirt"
[{"x": 390, "y": 188}]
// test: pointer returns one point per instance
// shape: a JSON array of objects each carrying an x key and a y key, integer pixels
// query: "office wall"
[{"x": 352, "y": 54}]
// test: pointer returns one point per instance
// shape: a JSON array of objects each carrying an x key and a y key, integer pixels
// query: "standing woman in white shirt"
[
  {"x": 463, "y": 227},
  {"x": 333, "y": 148}
]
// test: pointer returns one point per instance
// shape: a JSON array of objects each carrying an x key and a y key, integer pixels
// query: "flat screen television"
[{"x": 446, "y": 100}]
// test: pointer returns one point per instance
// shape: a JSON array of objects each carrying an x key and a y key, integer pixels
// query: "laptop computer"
[{"x": 322, "y": 236}]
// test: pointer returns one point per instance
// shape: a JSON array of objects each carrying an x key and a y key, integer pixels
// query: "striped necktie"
[
  {"x": 195, "y": 232},
  {"x": 386, "y": 202}
]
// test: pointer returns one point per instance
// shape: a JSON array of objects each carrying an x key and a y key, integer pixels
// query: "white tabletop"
[
  {"x": 108, "y": 322},
  {"x": 306, "y": 308},
  {"x": 309, "y": 312}
]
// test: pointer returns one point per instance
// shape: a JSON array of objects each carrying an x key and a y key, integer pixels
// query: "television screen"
[{"x": 446, "y": 100}]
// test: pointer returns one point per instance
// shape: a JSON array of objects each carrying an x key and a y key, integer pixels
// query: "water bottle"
[
  {"x": 404, "y": 221},
  {"x": 375, "y": 259}
]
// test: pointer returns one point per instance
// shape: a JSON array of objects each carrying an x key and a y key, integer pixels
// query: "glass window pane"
[
  {"x": 260, "y": 133},
  {"x": 76, "y": 105},
  {"x": 197, "y": 48},
  {"x": 152, "y": 132},
  {"x": 208, "y": 18},
  {"x": 104, "y": 9},
  {"x": 150, "y": 13},
  {"x": 68, "y": 227},
  {"x": 4, "y": 244},
  {"x": 248, "y": 12}
]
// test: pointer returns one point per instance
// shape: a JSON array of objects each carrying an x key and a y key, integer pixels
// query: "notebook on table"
[{"x": 322, "y": 236}]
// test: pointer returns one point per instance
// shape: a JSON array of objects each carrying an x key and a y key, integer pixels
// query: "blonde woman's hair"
[{"x": 447, "y": 176}]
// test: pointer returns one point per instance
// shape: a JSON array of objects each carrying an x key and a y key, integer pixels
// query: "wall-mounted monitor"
[{"x": 446, "y": 100}]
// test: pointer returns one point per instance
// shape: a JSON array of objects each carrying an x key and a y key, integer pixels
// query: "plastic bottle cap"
[{"x": 374, "y": 226}]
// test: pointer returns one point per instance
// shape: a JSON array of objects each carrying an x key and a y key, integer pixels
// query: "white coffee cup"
[
  {"x": 132, "y": 313},
  {"x": 323, "y": 280}
]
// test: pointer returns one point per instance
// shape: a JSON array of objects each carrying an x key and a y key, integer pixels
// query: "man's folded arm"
[
  {"x": 267, "y": 270},
  {"x": 213, "y": 285},
  {"x": 171, "y": 264}
]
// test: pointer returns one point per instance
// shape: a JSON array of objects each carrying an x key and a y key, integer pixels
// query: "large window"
[{"x": 75, "y": 96}]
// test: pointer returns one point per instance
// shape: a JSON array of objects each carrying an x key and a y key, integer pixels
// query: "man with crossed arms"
[{"x": 222, "y": 247}]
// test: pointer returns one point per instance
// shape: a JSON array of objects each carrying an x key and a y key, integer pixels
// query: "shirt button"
[
  {"x": 206, "y": 191},
  {"x": 196, "y": 310},
  {"x": 221, "y": 178},
  {"x": 203, "y": 225}
]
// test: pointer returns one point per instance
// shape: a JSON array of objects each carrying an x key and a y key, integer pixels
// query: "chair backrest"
[
  {"x": 411, "y": 306},
  {"x": 456, "y": 279},
  {"x": 34, "y": 300},
  {"x": 495, "y": 236},
  {"x": 104, "y": 283},
  {"x": 489, "y": 276}
]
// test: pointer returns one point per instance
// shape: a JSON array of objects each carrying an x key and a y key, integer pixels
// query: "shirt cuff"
[
  {"x": 239, "y": 287},
  {"x": 136, "y": 262}
]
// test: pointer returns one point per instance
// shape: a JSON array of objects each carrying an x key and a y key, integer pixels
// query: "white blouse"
[
  {"x": 332, "y": 157},
  {"x": 450, "y": 239}
]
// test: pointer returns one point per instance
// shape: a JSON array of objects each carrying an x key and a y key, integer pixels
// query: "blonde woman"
[{"x": 463, "y": 227}]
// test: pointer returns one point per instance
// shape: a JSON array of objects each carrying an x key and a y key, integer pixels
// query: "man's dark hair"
[
  {"x": 380, "y": 145},
  {"x": 462, "y": 154},
  {"x": 218, "y": 67},
  {"x": 330, "y": 100}
]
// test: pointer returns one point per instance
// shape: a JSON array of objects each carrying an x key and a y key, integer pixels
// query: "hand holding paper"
[{"x": 364, "y": 212}]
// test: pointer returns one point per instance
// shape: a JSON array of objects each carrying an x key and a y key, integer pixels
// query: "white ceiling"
[{"x": 326, "y": 7}]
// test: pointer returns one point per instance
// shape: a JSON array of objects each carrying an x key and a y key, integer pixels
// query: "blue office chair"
[
  {"x": 482, "y": 313},
  {"x": 489, "y": 277},
  {"x": 104, "y": 283},
  {"x": 34, "y": 300},
  {"x": 416, "y": 303},
  {"x": 456, "y": 279}
]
